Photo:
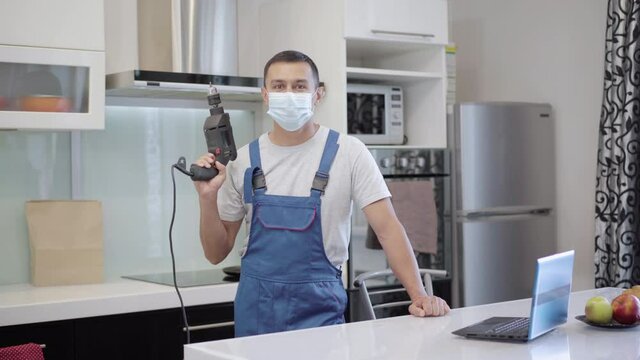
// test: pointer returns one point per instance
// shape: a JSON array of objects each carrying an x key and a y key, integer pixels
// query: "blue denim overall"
[{"x": 286, "y": 281}]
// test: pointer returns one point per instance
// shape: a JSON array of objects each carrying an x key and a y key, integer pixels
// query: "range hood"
[
  {"x": 175, "y": 85},
  {"x": 183, "y": 46}
]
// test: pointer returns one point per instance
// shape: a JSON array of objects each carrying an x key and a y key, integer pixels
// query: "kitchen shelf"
[
  {"x": 402, "y": 147},
  {"x": 383, "y": 48},
  {"x": 386, "y": 75}
]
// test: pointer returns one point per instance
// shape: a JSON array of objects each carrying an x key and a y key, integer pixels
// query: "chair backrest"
[
  {"x": 366, "y": 310},
  {"x": 24, "y": 351}
]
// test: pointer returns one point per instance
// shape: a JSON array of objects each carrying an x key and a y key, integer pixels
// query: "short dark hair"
[{"x": 291, "y": 56}]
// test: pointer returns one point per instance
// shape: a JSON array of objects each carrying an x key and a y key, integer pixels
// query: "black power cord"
[
  {"x": 219, "y": 136},
  {"x": 173, "y": 259}
]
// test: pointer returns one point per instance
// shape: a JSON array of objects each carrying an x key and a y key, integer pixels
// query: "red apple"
[{"x": 626, "y": 309}]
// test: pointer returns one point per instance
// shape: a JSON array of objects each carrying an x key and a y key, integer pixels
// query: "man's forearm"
[
  {"x": 213, "y": 234},
  {"x": 401, "y": 259},
  {"x": 395, "y": 243}
]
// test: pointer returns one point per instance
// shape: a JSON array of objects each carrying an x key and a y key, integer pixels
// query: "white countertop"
[
  {"x": 409, "y": 337},
  {"x": 24, "y": 303}
]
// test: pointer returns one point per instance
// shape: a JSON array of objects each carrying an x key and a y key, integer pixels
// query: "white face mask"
[{"x": 290, "y": 110}]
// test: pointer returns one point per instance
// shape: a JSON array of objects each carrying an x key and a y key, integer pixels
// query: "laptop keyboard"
[{"x": 518, "y": 326}]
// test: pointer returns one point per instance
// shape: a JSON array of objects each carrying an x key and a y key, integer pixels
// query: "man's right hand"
[{"x": 209, "y": 189}]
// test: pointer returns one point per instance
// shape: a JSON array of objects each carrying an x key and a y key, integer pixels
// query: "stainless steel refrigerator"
[{"x": 504, "y": 198}]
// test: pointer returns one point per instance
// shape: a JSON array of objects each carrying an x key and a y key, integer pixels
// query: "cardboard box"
[{"x": 65, "y": 242}]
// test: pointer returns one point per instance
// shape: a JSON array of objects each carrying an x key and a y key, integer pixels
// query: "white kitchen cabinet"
[
  {"x": 63, "y": 24},
  {"x": 52, "y": 65},
  {"x": 402, "y": 43},
  {"x": 44, "y": 88},
  {"x": 421, "y": 21}
]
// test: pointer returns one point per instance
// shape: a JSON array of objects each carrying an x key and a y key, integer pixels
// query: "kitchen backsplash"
[
  {"x": 35, "y": 165},
  {"x": 127, "y": 168}
]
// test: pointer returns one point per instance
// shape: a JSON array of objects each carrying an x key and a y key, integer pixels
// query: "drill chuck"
[{"x": 214, "y": 101}]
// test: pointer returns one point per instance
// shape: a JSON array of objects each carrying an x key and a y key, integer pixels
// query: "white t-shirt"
[{"x": 289, "y": 170}]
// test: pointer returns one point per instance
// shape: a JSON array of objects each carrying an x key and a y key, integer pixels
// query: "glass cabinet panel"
[{"x": 44, "y": 88}]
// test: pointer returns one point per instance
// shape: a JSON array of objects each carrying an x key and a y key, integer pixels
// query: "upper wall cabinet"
[
  {"x": 52, "y": 65},
  {"x": 402, "y": 20},
  {"x": 401, "y": 43}
]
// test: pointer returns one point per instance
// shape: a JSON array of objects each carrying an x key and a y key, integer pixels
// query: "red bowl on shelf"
[{"x": 44, "y": 103}]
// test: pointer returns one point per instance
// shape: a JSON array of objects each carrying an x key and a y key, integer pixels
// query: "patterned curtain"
[{"x": 617, "y": 255}]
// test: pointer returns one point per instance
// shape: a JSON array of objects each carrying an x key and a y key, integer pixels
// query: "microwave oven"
[{"x": 375, "y": 114}]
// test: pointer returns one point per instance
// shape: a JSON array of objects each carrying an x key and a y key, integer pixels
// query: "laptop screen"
[{"x": 551, "y": 290}]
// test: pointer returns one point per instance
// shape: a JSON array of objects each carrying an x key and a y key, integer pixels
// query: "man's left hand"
[{"x": 429, "y": 306}]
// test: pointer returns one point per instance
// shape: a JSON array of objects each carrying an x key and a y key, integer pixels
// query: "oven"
[{"x": 405, "y": 164}]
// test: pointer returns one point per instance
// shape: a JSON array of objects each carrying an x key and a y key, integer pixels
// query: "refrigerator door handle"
[{"x": 509, "y": 212}]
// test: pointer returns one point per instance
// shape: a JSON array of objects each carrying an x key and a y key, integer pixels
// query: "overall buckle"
[
  {"x": 320, "y": 181},
  {"x": 258, "y": 181}
]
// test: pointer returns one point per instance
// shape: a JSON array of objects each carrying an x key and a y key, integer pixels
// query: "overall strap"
[
  {"x": 254, "y": 180},
  {"x": 254, "y": 153},
  {"x": 321, "y": 179}
]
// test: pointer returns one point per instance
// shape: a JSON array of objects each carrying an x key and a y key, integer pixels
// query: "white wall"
[
  {"x": 249, "y": 37},
  {"x": 543, "y": 51},
  {"x": 120, "y": 35}
]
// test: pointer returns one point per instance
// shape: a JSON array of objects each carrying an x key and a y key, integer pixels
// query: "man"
[{"x": 295, "y": 184}]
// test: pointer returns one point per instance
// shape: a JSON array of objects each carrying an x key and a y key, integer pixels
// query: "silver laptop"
[{"x": 549, "y": 305}]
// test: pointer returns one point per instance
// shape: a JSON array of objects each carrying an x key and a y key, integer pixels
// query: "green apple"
[{"x": 598, "y": 310}]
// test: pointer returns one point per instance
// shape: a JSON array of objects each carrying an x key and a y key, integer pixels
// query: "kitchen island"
[{"x": 409, "y": 337}]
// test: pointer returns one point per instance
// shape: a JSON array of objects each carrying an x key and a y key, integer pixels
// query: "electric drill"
[{"x": 220, "y": 142}]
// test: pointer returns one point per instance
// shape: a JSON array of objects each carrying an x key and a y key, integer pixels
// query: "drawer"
[{"x": 210, "y": 322}]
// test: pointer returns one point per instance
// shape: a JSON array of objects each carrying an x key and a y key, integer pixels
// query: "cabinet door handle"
[
  {"x": 209, "y": 326},
  {"x": 387, "y": 32}
]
